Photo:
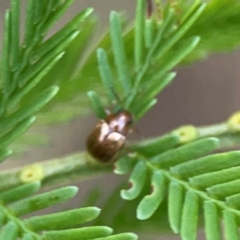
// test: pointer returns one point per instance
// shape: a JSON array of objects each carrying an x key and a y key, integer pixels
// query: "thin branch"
[
  {"x": 79, "y": 166},
  {"x": 54, "y": 171},
  {"x": 228, "y": 132}
]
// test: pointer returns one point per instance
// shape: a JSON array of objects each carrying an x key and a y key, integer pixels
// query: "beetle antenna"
[
  {"x": 115, "y": 94},
  {"x": 117, "y": 98}
]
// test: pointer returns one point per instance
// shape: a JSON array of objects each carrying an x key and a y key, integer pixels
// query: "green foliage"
[
  {"x": 135, "y": 63},
  {"x": 217, "y": 27},
  {"x": 146, "y": 78},
  {"x": 74, "y": 84},
  {"x": 191, "y": 182},
  {"x": 18, "y": 201},
  {"x": 25, "y": 66}
]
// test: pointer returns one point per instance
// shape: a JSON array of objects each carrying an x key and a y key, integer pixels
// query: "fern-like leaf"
[{"x": 18, "y": 201}]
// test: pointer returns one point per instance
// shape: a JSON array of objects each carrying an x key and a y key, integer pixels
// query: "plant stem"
[
  {"x": 54, "y": 171},
  {"x": 80, "y": 167},
  {"x": 213, "y": 130}
]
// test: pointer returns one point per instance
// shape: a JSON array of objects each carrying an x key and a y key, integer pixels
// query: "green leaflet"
[
  {"x": 29, "y": 25},
  {"x": 17, "y": 131},
  {"x": 154, "y": 146},
  {"x": 97, "y": 105},
  {"x": 29, "y": 109},
  {"x": 146, "y": 108},
  {"x": 230, "y": 226},
  {"x": 27, "y": 236},
  {"x": 217, "y": 24},
  {"x": 106, "y": 74},
  {"x": 148, "y": 33},
  {"x": 150, "y": 203},
  {"x": 2, "y": 218},
  {"x": 137, "y": 180},
  {"x": 139, "y": 77},
  {"x": 149, "y": 100},
  {"x": 175, "y": 205},
  {"x": 123, "y": 165},
  {"x": 180, "y": 31},
  {"x": 183, "y": 50},
  {"x": 225, "y": 189},
  {"x": 60, "y": 37},
  {"x": 139, "y": 33},
  {"x": 19, "y": 193},
  {"x": 6, "y": 48},
  {"x": 119, "y": 52},
  {"x": 34, "y": 70},
  {"x": 62, "y": 220},
  {"x": 15, "y": 20},
  {"x": 234, "y": 201},
  {"x": 54, "y": 10},
  {"x": 4, "y": 153},
  {"x": 213, "y": 178},
  {"x": 185, "y": 153},
  {"x": 121, "y": 236},
  {"x": 43, "y": 200},
  {"x": 209, "y": 163},
  {"x": 84, "y": 233},
  {"x": 9, "y": 231},
  {"x": 51, "y": 223},
  {"x": 190, "y": 216},
  {"x": 32, "y": 83},
  {"x": 211, "y": 219},
  {"x": 191, "y": 10}
]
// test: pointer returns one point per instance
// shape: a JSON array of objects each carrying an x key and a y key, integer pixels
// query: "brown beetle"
[{"x": 109, "y": 136}]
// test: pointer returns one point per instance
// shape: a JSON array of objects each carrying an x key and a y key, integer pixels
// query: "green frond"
[
  {"x": 218, "y": 28},
  {"x": 193, "y": 183},
  {"x": 29, "y": 109},
  {"x": 136, "y": 82},
  {"x": 171, "y": 41},
  {"x": 121, "y": 215},
  {"x": 138, "y": 62},
  {"x": 18, "y": 201},
  {"x": 26, "y": 64},
  {"x": 180, "y": 27}
]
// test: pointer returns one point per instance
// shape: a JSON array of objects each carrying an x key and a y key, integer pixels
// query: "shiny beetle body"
[{"x": 109, "y": 136}]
